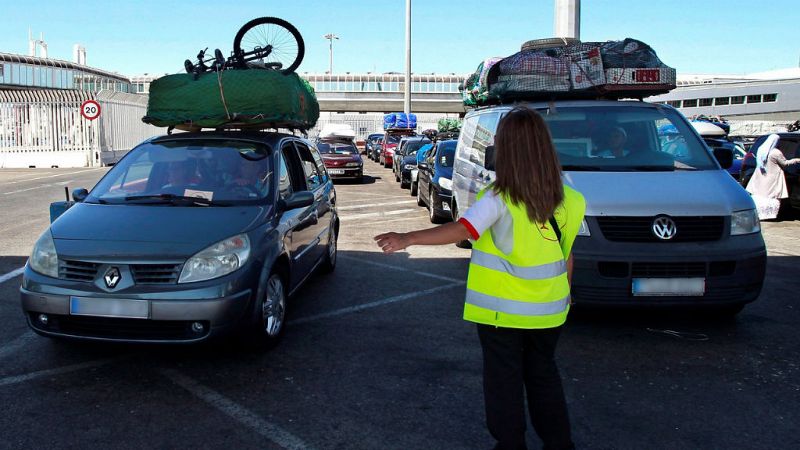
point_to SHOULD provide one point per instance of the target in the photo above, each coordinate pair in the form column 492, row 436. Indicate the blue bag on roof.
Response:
column 399, row 120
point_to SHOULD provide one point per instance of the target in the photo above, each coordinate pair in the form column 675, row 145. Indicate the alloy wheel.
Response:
column 274, row 306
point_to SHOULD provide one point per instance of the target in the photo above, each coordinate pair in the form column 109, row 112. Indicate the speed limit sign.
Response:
column 90, row 109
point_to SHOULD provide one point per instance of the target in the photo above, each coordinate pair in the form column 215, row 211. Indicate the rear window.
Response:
column 217, row 171
column 446, row 153
column 617, row 138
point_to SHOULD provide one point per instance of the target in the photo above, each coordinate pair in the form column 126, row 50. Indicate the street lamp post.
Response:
column 407, row 90
column 330, row 37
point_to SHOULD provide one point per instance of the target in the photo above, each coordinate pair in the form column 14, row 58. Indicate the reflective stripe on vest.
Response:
column 516, row 307
column 539, row 272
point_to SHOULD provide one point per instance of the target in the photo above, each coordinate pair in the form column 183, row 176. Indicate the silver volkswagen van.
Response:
column 665, row 223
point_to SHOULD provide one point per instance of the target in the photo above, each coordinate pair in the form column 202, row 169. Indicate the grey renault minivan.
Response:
column 189, row 236
column 665, row 224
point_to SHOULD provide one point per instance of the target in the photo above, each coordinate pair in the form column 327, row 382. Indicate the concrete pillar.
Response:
column 568, row 19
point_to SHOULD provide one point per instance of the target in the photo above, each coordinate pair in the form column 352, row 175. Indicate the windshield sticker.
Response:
column 208, row 195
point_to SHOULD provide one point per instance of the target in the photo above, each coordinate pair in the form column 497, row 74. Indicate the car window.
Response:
column 284, row 180
column 314, row 177
column 337, row 148
column 478, row 134
column 320, row 164
column 445, row 154
column 228, row 171
column 788, row 147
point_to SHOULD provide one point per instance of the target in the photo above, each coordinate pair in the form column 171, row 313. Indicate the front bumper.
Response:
column 345, row 172
column 443, row 202
column 171, row 312
column 603, row 272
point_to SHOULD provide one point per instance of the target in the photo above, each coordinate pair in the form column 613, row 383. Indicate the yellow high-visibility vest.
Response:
column 528, row 287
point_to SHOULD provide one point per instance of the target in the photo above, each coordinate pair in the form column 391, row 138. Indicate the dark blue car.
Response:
column 189, row 236
column 435, row 181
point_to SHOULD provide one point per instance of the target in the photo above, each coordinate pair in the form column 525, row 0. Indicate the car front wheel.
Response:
column 268, row 328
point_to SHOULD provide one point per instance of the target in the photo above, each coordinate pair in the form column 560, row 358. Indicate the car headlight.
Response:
column 410, row 166
column 446, row 183
column 584, row 229
column 353, row 164
column 44, row 259
column 745, row 222
column 217, row 260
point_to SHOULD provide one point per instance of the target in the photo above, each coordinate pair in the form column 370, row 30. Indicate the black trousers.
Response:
column 517, row 363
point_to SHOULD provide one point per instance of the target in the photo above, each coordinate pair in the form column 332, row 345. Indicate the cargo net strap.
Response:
column 222, row 94
column 585, row 68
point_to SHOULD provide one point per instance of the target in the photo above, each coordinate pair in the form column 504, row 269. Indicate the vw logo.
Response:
column 112, row 277
column 664, row 228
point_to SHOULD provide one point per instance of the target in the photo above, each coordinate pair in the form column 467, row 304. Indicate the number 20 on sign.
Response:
column 90, row 109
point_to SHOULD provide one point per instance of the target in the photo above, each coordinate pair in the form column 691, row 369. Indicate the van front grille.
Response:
column 639, row 229
column 155, row 273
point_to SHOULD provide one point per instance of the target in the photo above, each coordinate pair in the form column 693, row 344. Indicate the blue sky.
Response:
column 134, row 37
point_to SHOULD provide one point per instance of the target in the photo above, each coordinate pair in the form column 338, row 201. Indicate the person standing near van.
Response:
column 768, row 183
column 518, row 287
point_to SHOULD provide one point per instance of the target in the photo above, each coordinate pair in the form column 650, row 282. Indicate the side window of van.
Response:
column 467, row 135
column 483, row 137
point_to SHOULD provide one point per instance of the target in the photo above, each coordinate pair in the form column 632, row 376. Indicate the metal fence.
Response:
column 45, row 128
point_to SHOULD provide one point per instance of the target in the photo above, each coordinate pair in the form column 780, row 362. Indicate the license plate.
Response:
column 647, row 75
column 109, row 307
column 336, row 171
column 669, row 287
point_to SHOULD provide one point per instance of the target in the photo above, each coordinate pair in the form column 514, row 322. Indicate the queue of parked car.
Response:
column 421, row 163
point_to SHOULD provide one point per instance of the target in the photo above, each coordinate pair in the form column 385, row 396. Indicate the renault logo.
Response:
column 112, row 277
column 664, row 228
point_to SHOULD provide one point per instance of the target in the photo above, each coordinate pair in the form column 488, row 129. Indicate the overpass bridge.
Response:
column 364, row 93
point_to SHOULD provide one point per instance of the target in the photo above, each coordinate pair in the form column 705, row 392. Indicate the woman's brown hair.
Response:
column 527, row 167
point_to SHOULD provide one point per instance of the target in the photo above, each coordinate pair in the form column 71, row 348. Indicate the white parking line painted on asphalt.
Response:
column 380, row 214
column 370, row 205
column 236, row 411
column 386, row 301
column 51, row 176
column 41, row 186
column 373, row 194
column 389, row 266
column 17, row 344
column 57, row 371
column 13, row 274
column 404, row 219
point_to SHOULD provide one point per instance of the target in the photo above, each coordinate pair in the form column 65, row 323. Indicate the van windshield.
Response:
column 625, row 139
column 189, row 173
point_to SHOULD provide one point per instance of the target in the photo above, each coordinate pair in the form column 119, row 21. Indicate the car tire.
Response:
column 454, row 212
column 413, row 188
column 432, row 215
column 420, row 202
column 331, row 251
column 397, row 177
column 269, row 325
column 404, row 184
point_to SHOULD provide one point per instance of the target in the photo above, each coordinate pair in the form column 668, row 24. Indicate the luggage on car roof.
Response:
column 446, row 125
column 248, row 99
column 399, row 120
column 627, row 68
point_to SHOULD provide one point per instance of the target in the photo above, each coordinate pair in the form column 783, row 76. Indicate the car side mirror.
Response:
column 80, row 194
column 297, row 200
column 724, row 157
column 488, row 160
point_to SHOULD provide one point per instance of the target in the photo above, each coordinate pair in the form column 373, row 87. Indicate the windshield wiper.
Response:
column 175, row 199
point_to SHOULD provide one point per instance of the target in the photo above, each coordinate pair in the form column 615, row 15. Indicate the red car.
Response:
column 342, row 159
column 391, row 139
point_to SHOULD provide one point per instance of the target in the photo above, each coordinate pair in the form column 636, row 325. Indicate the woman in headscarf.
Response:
column 768, row 184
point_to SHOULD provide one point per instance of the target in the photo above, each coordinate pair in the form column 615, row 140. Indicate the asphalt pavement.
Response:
column 376, row 356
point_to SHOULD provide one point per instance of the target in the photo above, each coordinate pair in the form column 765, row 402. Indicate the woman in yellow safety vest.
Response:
column 523, row 227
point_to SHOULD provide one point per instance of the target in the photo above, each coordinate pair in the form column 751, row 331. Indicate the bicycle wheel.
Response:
column 286, row 44
column 189, row 66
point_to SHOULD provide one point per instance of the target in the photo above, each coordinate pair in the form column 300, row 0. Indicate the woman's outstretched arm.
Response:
column 449, row 233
